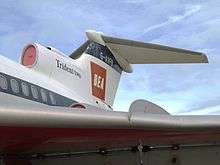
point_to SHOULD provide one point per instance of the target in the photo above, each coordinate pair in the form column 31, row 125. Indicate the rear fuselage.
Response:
column 49, row 77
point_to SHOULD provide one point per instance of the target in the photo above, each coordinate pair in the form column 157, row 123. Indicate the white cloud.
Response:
column 135, row 1
column 204, row 111
column 173, row 19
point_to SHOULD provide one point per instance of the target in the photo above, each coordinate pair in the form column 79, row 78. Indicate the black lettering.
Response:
column 64, row 67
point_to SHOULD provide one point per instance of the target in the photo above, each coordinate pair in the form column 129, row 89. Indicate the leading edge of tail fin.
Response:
column 129, row 52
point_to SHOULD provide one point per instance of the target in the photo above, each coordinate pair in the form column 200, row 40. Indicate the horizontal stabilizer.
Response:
column 129, row 52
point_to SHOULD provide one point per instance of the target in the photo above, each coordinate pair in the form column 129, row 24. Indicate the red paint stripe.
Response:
column 16, row 161
column 16, row 139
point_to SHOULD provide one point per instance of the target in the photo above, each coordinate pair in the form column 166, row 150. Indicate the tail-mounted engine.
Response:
column 52, row 63
column 39, row 58
column 49, row 61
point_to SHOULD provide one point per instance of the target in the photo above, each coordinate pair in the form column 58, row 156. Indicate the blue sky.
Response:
column 195, row 24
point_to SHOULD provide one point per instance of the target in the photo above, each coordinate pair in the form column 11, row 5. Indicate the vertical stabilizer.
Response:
column 104, row 72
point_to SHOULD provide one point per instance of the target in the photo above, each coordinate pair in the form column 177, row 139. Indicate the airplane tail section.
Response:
column 107, row 57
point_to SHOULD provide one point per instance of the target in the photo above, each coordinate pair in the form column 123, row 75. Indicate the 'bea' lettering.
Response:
column 98, row 81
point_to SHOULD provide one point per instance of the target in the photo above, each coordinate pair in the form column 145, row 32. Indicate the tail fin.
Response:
column 103, row 69
column 107, row 57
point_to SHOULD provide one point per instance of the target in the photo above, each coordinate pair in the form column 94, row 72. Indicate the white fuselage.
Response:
column 48, row 74
column 74, row 86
